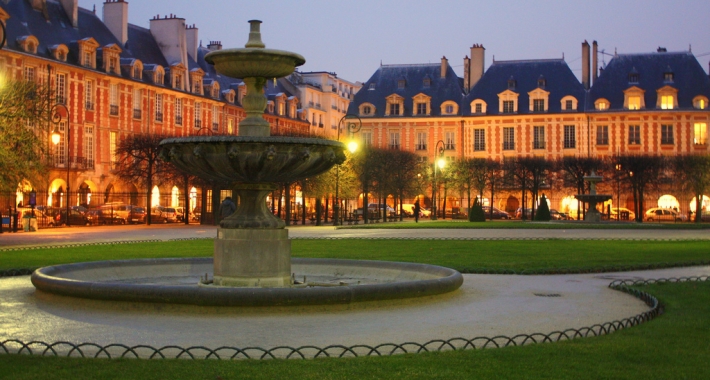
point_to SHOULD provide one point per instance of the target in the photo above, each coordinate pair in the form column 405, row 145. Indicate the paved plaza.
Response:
column 486, row 305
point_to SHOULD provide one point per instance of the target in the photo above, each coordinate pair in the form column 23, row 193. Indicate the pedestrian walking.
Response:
column 227, row 208
column 417, row 210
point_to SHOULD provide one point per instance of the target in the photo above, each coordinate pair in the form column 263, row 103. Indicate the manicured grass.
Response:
column 465, row 256
column 673, row 346
column 518, row 224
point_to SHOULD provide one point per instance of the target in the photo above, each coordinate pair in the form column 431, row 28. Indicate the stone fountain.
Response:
column 592, row 214
column 252, row 264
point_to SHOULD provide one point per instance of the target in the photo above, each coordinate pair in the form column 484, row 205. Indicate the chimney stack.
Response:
column 466, row 73
column 192, row 40
column 444, row 66
column 478, row 55
column 585, row 65
column 171, row 35
column 71, row 8
column 215, row 45
column 595, row 62
column 116, row 19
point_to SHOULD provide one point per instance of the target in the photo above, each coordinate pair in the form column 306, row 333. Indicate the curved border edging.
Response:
column 93, row 350
column 48, row 279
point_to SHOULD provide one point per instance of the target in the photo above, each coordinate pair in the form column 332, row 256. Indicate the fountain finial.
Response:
column 255, row 35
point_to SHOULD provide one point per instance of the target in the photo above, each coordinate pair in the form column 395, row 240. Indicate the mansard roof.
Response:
column 385, row 81
column 689, row 78
column 559, row 82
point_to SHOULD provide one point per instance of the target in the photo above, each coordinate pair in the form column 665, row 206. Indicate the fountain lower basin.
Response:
column 181, row 281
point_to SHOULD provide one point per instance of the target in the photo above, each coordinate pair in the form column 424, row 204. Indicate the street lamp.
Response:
column 618, row 192
column 440, row 162
column 57, row 119
column 353, row 125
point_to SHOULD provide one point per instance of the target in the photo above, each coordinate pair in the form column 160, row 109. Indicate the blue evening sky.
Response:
column 352, row 37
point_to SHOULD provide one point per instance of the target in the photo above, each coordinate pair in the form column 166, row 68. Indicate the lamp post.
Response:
column 618, row 192
column 353, row 125
column 438, row 152
column 57, row 119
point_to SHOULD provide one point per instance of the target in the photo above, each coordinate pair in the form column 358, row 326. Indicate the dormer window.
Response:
column 700, row 102
column 508, row 102
column 634, row 102
column 541, row 82
column 28, row 44
column 367, row 109
column 427, row 82
column 634, row 98
column 395, row 105
column 568, row 103
column 372, row 86
column 633, row 76
column 667, row 98
column 59, row 52
column 449, row 108
column 137, row 70
column 111, row 54
column 538, row 100
column 478, row 106
column 668, row 75
column 511, row 84
column 422, row 105
column 87, row 52
column 88, row 59
column 61, row 56
column 178, row 82
column 401, row 83
column 159, row 76
column 601, row 104
column 31, row 48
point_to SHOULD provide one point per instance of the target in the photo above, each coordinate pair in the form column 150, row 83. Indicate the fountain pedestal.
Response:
column 252, row 258
column 592, row 215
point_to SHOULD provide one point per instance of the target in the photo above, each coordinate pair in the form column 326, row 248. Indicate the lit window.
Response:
column 667, row 134
column 601, row 104
column 394, row 140
column 421, row 141
column 634, row 102
column 634, row 134
column 89, row 95
column 700, row 103
column 667, row 102
column 178, row 111
column 700, row 133
column 450, row 141
column 366, row 138
column 539, row 137
column 158, row 107
column 61, row 85
column 29, row 74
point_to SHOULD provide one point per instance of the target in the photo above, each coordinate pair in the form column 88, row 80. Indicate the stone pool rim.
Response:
column 49, row 279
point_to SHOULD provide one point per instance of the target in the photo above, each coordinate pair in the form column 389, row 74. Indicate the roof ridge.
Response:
column 411, row 64
column 530, row 60
column 656, row 53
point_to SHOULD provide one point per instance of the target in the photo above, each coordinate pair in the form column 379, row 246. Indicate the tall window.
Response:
column 667, row 102
column 178, row 81
column 421, row 141
column 178, row 111
column 700, row 133
column 538, row 105
column 215, row 118
column 479, row 140
column 394, row 108
column 508, row 138
column 60, row 151
column 366, row 138
column 667, row 134
column 508, row 106
column 634, row 134
column 113, row 140
column 137, row 102
column 89, row 95
column 89, row 145
column 230, row 126
column 29, row 74
column 198, row 115
column 61, row 86
column 539, row 138
column 113, row 99
column 158, row 107
column 450, row 140
column 570, row 138
column 88, row 59
column 421, row 108
column 394, row 140
column 603, row 135
column 634, row 102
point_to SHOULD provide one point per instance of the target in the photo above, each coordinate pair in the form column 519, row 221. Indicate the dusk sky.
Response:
column 351, row 38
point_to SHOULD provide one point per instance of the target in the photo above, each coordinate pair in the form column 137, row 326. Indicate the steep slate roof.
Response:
column 689, row 78
column 144, row 47
column 25, row 21
column 386, row 78
column 560, row 82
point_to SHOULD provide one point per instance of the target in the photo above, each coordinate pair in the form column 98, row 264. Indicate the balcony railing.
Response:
column 538, row 144
column 89, row 106
column 137, row 114
column 479, row 147
column 158, row 116
column 178, row 120
column 320, row 125
column 198, row 124
column 420, row 147
column 75, row 163
column 215, row 126
column 450, row 146
column 394, row 146
column 508, row 145
column 318, row 105
column 113, row 111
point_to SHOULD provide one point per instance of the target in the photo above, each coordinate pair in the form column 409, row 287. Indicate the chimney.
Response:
column 466, row 74
column 478, row 55
column 585, row 65
column 71, row 8
column 192, row 40
column 215, row 45
column 595, row 62
column 444, row 66
column 38, row 5
column 116, row 19
column 171, row 35
column 661, row 50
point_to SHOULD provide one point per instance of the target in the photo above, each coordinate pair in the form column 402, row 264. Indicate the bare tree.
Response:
column 574, row 170
column 640, row 171
column 139, row 162
column 403, row 171
column 692, row 174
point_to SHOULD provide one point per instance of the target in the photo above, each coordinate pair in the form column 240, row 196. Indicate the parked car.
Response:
column 161, row 214
column 43, row 220
column 104, row 217
column 556, row 215
column 705, row 216
column 497, row 214
column 621, row 211
column 664, row 215
column 519, row 213
column 374, row 207
column 76, row 218
column 137, row 215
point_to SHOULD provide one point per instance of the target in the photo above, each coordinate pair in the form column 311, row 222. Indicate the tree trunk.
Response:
column 186, row 195
column 319, row 206
column 287, row 191
column 149, row 190
column 698, row 208
column 325, row 218
column 303, row 202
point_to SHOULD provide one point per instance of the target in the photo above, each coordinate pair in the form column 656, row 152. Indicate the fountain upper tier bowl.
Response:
column 250, row 159
column 254, row 62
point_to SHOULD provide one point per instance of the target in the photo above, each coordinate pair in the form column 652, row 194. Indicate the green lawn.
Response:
column 673, row 346
column 465, row 256
column 518, row 224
